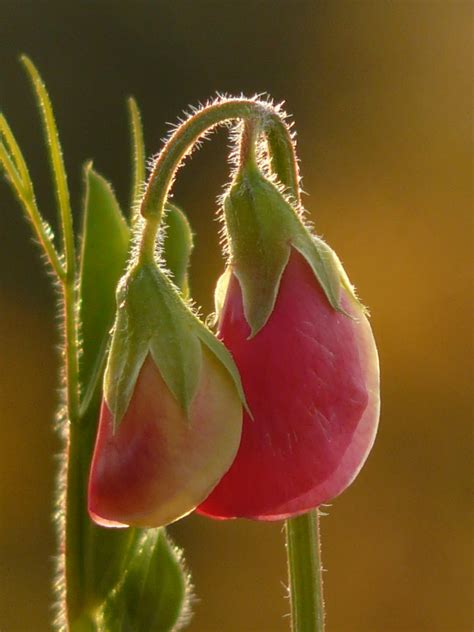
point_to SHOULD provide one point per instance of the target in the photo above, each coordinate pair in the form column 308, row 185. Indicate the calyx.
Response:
column 152, row 319
column 261, row 228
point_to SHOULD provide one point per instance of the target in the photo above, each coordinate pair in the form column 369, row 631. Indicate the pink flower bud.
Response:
column 160, row 463
column 311, row 380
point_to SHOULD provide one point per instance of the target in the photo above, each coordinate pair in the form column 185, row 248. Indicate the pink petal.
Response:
column 159, row 465
column 311, row 379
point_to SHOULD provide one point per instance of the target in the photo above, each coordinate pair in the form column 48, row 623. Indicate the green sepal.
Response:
column 325, row 265
column 151, row 319
column 225, row 358
column 262, row 227
column 259, row 228
column 177, row 246
column 105, row 241
column 153, row 594
column 220, row 293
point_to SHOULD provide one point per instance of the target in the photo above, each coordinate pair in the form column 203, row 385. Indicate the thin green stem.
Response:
column 71, row 350
column 148, row 240
column 74, row 493
column 183, row 140
column 248, row 142
column 305, row 572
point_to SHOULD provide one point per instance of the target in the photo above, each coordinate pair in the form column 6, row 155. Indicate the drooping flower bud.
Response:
column 306, row 356
column 171, row 416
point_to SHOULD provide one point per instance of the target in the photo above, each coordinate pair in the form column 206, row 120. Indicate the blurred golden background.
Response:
column 381, row 97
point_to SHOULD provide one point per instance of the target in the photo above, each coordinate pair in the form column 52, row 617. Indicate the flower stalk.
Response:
column 303, row 547
column 182, row 141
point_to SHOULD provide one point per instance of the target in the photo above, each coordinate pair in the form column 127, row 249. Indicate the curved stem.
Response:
column 248, row 141
column 182, row 142
column 305, row 573
column 148, row 240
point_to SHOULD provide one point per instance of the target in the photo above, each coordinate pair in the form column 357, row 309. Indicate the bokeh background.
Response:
column 381, row 97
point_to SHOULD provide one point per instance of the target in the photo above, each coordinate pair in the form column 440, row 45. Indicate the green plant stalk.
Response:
column 74, row 464
column 76, row 460
column 184, row 138
column 73, row 531
column 305, row 572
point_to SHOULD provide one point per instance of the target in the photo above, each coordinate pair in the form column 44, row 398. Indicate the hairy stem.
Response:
column 305, row 572
column 72, row 537
column 183, row 140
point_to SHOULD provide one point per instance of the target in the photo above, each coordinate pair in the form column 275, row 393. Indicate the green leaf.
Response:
column 106, row 552
column 105, row 241
column 153, row 595
column 56, row 161
column 16, row 170
column 177, row 246
column 138, row 156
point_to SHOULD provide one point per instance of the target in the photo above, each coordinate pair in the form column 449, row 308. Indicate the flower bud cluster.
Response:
column 269, row 419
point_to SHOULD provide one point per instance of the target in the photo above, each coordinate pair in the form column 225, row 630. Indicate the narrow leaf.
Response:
column 105, row 241
column 56, row 159
column 178, row 246
column 138, row 155
column 16, row 154
column 25, row 195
